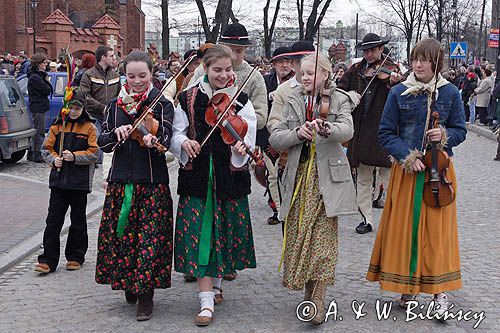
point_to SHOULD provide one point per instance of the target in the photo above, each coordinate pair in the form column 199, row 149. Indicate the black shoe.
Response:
column 363, row 228
column 273, row 220
column 145, row 308
column 189, row 278
column 496, row 159
column 131, row 298
column 378, row 203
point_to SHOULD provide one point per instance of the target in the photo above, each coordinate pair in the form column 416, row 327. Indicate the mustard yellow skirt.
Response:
column 438, row 264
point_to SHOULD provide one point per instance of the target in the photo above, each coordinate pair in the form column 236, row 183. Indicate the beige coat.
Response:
column 483, row 92
column 335, row 180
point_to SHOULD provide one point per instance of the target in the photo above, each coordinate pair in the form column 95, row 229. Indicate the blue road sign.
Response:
column 458, row 50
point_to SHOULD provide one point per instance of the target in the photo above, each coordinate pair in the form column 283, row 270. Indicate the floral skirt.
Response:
column 311, row 246
column 232, row 239
column 438, row 263
column 141, row 259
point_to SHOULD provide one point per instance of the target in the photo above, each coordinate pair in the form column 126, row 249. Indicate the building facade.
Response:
column 80, row 26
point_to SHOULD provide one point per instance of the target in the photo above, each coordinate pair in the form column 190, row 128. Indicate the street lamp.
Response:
column 34, row 4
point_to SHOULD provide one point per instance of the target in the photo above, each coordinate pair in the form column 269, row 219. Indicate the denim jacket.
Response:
column 402, row 125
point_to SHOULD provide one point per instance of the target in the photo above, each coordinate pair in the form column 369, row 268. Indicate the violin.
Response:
column 144, row 126
column 438, row 190
column 221, row 113
column 381, row 70
column 234, row 123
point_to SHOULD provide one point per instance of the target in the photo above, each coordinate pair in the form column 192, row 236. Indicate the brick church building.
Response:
column 81, row 25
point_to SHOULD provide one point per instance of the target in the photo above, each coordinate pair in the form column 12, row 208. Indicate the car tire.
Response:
column 15, row 157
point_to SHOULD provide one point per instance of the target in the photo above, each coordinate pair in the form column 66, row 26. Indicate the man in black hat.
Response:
column 281, row 72
column 365, row 153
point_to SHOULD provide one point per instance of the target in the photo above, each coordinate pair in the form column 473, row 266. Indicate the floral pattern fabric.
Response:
column 142, row 259
column 232, row 240
column 311, row 247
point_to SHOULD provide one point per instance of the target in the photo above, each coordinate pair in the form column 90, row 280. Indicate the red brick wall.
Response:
column 16, row 15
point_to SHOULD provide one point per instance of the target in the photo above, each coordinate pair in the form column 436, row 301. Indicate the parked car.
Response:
column 16, row 124
column 58, row 80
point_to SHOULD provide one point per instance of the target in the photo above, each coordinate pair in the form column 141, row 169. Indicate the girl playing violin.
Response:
column 213, row 231
column 317, row 181
column 416, row 249
column 135, row 235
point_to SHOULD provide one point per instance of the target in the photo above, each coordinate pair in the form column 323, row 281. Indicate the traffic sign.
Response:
column 458, row 50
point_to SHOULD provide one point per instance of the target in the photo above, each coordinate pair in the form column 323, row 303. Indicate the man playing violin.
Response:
column 371, row 79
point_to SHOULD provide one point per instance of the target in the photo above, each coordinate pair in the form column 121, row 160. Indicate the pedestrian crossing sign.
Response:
column 458, row 50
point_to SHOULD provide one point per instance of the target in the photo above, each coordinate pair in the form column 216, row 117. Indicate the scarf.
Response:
column 415, row 87
column 129, row 101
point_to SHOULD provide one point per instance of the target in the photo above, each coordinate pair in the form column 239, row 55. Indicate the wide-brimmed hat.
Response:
column 280, row 53
column 300, row 49
column 235, row 34
column 371, row 40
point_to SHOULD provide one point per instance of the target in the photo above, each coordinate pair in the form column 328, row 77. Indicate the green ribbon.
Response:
column 204, row 252
column 417, row 207
column 125, row 211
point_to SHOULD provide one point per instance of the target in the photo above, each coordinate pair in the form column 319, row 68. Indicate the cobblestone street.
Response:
column 256, row 301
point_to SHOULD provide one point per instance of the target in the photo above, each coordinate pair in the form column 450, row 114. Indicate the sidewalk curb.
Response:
column 33, row 243
column 482, row 131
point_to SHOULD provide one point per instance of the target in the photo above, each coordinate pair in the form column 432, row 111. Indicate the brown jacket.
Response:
column 364, row 146
column 101, row 87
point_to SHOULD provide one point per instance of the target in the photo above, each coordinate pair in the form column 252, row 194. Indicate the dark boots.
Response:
column 145, row 308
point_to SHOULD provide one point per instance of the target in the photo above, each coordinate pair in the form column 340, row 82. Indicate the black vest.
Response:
column 193, row 179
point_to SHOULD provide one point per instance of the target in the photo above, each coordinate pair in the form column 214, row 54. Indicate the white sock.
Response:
column 206, row 302
column 217, row 283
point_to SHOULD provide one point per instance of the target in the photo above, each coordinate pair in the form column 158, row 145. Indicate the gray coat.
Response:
column 335, row 180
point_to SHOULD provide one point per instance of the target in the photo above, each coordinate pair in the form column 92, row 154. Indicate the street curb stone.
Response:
column 33, row 243
column 482, row 131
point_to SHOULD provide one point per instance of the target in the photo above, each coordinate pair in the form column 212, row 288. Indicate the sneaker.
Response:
column 364, row 228
column 441, row 306
column 405, row 298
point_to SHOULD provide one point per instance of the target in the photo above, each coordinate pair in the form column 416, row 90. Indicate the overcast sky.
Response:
column 250, row 13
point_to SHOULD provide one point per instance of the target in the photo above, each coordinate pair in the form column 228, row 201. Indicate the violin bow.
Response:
column 221, row 117
column 429, row 107
column 310, row 106
column 155, row 101
column 377, row 71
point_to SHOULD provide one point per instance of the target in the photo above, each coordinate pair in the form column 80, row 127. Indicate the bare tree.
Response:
column 222, row 15
column 403, row 15
column 314, row 20
column 269, row 31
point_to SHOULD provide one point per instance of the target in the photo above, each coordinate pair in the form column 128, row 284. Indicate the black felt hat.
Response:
column 300, row 49
column 235, row 34
column 280, row 53
column 370, row 41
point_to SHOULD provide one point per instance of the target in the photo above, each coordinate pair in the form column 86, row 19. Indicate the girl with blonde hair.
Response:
column 317, row 181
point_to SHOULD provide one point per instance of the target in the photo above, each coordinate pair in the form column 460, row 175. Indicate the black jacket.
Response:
column 39, row 90
column 193, row 179
column 131, row 162
column 80, row 139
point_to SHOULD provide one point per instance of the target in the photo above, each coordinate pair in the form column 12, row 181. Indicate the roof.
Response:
column 106, row 22
column 57, row 17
